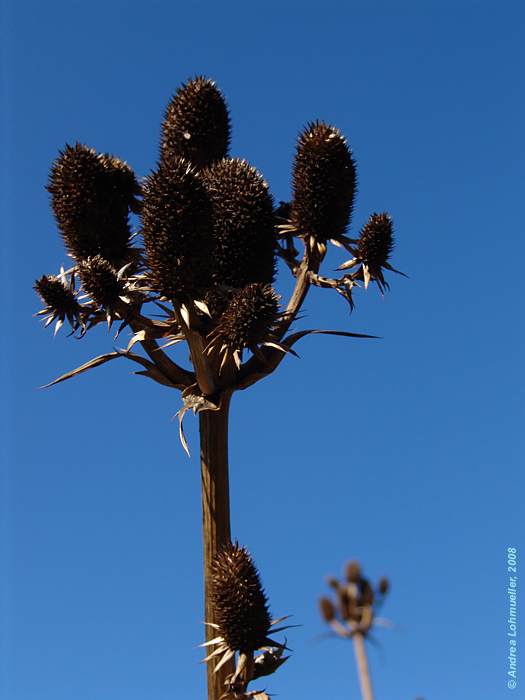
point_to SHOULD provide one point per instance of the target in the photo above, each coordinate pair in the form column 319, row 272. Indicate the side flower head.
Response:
column 373, row 250
column 176, row 226
column 196, row 124
column 91, row 196
column 247, row 322
column 243, row 224
column 60, row 301
column 324, row 184
column 242, row 617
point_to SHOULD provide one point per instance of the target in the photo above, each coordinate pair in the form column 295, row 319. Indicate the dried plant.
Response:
column 243, row 624
column 353, row 614
column 204, row 258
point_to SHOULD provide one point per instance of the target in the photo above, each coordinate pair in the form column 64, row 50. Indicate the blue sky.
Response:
column 404, row 452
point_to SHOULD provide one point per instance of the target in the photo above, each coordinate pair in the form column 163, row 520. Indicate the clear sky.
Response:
column 404, row 452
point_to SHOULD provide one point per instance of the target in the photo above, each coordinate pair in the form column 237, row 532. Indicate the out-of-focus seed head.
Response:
column 240, row 604
column 353, row 572
column 91, row 196
column 324, row 183
column 376, row 241
column 196, row 124
column 243, row 224
column 327, row 609
column 346, row 603
column 366, row 592
column 99, row 279
column 176, row 226
column 383, row 586
column 56, row 295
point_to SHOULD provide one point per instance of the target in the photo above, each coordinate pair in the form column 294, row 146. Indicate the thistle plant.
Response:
column 243, row 624
column 353, row 614
column 199, row 268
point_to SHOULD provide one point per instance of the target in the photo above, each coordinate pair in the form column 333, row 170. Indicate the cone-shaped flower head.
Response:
column 243, row 224
column 353, row 571
column 250, row 317
column 176, row 226
column 327, row 609
column 376, row 242
column 91, row 196
column 196, row 124
column 60, row 301
column 100, row 280
column 324, row 183
column 241, row 607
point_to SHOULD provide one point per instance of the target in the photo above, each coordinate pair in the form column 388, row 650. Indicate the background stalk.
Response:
column 362, row 666
column 213, row 426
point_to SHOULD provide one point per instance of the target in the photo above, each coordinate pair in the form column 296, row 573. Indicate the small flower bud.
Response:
column 196, row 124
column 55, row 295
column 324, row 183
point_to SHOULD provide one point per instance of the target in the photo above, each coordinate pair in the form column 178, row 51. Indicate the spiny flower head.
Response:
column 243, row 223
column 196, row 124
column 101, row 281
column 247, row 321
column 176, row 226
column 324, row 183
column 241, row 606
column 60, row 301
column 376, row 241
column 91, row 196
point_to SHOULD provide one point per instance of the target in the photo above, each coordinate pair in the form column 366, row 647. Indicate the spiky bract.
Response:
column 249, row 318
column 241, row 606
column 324, row 183
column 196, row 124
column 99, row 279
column 91, row 196
column 243, row 223
column 176, row 226
column 376, row 242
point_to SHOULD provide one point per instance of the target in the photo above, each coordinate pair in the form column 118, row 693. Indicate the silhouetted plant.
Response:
column 205, row 256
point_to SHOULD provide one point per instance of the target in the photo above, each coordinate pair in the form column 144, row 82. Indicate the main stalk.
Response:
column 213, row 426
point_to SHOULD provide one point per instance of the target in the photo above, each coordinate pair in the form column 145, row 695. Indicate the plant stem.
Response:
column 362, row 666
column 213, row 427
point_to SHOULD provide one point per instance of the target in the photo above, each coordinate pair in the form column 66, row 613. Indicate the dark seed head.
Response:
column 384, row 585
column 324, row 182
column 177, row 230
column 353, row 571
column 327, row 609
column 196, row 124
column 376, row 241
column 99, row 280
column 366, row 592
column 241, row 606
column 346, row 603
column 91, row 195
column 243, row 224
column 55, row 295
column 249, row 318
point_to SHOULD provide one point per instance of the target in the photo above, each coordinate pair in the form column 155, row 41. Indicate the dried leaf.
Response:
column 95, row 362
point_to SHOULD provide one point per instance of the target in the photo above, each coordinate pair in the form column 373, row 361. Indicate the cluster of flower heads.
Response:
column 243, row 623
column 211, row 234
column 356, row 602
